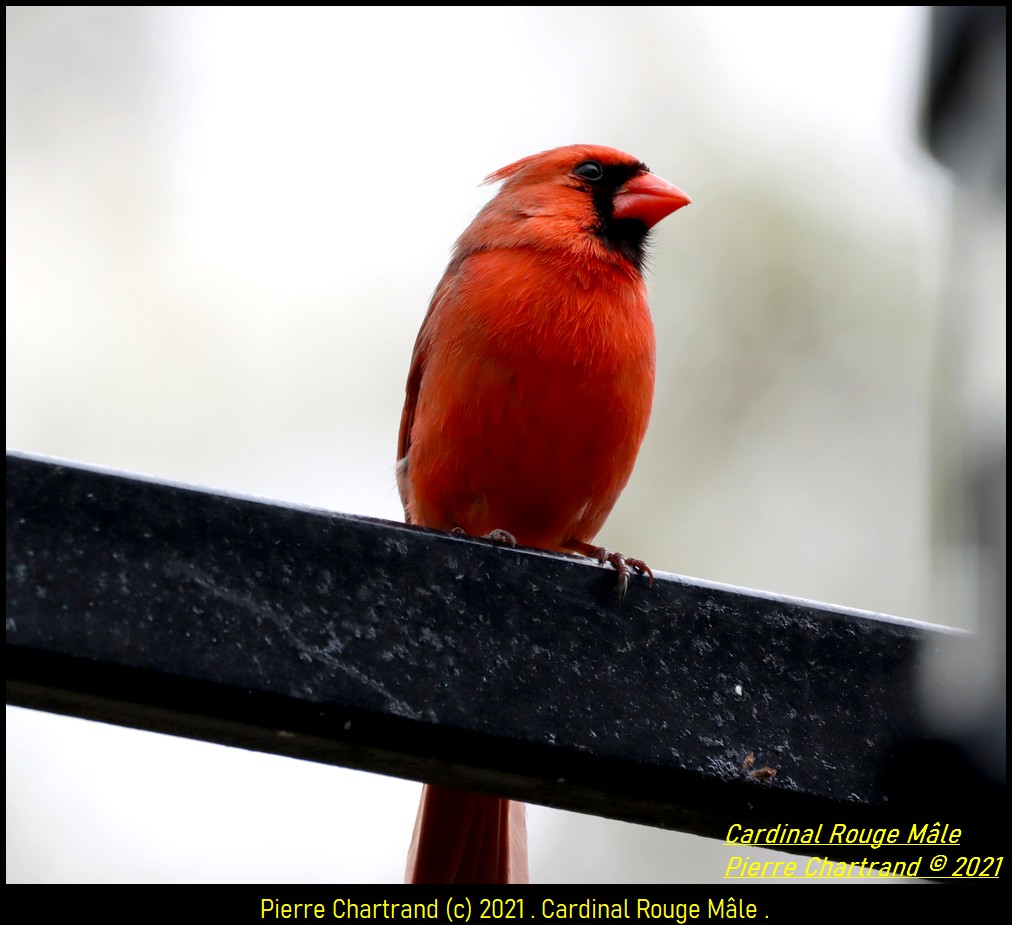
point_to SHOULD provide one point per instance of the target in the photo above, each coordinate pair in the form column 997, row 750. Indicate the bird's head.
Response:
column 581, row 197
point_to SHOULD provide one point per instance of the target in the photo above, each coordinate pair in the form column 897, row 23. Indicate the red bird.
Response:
column 528, row 397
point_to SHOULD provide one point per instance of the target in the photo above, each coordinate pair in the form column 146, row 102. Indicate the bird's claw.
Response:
column 496, row 536
column 625, row 566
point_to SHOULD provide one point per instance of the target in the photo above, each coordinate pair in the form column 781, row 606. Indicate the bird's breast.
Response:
column 534, row 401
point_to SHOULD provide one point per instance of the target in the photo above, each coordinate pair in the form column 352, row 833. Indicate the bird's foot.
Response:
column 496, row 536
column 624, row 565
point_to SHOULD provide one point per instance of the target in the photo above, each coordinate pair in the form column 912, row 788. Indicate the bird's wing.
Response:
column 419, row 355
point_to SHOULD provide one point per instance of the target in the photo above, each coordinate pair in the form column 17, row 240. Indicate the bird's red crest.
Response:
column 555, row 157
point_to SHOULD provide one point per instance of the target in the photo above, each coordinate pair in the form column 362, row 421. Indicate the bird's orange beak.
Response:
column 648, row 198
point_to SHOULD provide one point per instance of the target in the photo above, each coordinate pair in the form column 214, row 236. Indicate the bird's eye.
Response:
column 589, row 170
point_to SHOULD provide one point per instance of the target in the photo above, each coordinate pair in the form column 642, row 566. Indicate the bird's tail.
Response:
column 464, row 837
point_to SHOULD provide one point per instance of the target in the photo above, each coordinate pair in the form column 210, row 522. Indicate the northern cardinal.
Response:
column 528, row 397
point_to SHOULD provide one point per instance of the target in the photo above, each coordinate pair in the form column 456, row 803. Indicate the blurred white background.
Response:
column 223, row 227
